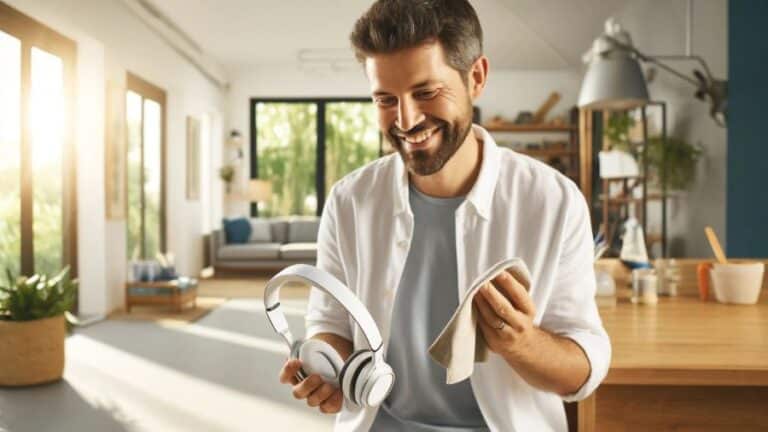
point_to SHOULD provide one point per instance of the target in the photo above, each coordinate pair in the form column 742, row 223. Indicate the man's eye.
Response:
column 385, row 101
column 426, row 94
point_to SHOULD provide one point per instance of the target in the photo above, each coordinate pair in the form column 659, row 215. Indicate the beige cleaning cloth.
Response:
column 460, row 343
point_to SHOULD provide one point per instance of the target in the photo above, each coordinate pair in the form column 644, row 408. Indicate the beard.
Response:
column 427, row 162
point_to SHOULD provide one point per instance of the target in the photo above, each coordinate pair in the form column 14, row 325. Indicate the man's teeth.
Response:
column 423, row 136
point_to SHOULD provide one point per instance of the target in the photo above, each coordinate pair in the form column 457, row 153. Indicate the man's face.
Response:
column 425, row 109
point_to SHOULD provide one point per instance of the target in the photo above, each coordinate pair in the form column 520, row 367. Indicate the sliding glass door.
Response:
column 304, row 146
column 37, row 176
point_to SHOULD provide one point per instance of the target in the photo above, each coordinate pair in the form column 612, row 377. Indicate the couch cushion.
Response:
column 279, row 228
column 237, row 231
column 303, row 230
column 250, row 251
column 298, row 251
column 260, row 231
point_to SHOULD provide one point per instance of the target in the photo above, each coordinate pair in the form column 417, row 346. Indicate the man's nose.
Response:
column 408, row 115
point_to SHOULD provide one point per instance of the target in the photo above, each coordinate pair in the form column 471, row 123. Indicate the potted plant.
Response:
column 33, row 327
column 678, row 157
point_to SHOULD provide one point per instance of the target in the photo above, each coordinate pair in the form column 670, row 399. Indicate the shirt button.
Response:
column 403, row 243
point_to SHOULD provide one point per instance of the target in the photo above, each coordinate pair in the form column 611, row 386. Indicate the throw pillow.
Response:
column 260, row 232
column 237, row 230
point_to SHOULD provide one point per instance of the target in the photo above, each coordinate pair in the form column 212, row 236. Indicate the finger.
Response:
column 487, row 314
column 332, row 405
column 320, row 395
column 306, row 387
column 515, row 291
column 503, row 308
column 490, row 335
column 289, row 370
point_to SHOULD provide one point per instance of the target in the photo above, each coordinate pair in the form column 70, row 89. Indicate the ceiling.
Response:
column 519, row 34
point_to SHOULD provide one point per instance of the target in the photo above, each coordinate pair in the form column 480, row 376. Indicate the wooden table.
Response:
column 682, row 365
column 176, row 297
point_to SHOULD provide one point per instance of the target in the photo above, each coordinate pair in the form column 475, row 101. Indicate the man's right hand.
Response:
column 317, row 393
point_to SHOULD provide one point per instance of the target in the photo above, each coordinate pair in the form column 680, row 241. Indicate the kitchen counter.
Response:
column 682, row 364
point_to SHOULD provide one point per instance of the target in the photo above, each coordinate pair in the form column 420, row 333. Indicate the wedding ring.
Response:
column 501, row 325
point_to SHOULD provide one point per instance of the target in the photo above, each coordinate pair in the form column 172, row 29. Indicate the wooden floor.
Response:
column 246, row 287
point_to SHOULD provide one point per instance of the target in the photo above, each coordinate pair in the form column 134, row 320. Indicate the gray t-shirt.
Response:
column 426, row 299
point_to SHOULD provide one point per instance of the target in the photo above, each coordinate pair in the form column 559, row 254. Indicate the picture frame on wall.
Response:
column 115, row 173
column 193, row 158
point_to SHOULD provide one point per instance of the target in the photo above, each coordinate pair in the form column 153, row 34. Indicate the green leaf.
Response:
column 39, row 296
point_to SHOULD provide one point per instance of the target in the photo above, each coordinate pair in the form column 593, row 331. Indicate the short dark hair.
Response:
column 391, row 25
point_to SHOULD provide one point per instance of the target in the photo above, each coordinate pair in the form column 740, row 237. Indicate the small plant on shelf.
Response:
column 678, row 157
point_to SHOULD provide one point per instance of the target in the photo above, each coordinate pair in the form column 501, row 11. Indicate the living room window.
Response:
column 37, row 169
column 145, row 120
column 303, row 146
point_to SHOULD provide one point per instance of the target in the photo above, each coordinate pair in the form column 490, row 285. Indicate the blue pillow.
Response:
column 237, row 230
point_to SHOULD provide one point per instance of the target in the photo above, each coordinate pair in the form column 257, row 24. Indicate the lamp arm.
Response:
column 687, row 57
column 654, row 60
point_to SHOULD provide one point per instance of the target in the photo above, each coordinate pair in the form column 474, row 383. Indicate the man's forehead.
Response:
column 405, row 69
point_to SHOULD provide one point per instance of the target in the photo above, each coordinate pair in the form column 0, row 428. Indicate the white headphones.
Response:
column 365, row 378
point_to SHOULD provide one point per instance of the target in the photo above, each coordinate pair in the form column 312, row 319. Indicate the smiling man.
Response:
column 409, row 232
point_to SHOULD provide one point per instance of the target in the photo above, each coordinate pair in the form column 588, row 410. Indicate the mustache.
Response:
column 396, row 132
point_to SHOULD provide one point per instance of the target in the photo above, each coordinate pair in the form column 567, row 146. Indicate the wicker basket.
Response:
column 32, row 352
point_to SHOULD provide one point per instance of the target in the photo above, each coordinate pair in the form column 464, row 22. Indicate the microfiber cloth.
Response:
column 460, row 344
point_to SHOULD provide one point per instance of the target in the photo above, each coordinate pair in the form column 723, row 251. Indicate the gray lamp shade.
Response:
column 613, row 81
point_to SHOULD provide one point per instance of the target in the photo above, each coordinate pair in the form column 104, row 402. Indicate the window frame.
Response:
column 150, row 91
column 320, row 136
column 32, row 33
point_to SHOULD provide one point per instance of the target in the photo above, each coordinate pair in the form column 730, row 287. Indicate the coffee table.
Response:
column 176, row 293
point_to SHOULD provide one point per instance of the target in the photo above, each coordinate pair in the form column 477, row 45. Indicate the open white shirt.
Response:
column 518, row 207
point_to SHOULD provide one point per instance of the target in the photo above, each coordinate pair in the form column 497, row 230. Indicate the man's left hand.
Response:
column 506, row 316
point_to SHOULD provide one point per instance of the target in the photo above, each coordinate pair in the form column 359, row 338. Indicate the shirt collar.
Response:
column 481, row 194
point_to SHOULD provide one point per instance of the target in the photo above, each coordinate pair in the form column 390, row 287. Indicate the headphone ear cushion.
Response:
column 378, row 383
column 318, row 357
column 351, row 374
column 362, row 379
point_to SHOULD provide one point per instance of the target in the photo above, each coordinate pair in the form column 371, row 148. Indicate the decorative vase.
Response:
column 32, row 352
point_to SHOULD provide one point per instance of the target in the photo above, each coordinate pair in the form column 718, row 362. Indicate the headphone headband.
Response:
column 326, row 282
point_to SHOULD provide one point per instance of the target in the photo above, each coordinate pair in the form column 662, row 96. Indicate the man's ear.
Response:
column 478, row 76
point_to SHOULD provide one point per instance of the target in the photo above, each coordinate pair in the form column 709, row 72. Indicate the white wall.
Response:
column 111, row 41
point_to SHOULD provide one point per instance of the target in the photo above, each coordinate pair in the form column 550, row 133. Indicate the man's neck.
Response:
column 457, row 176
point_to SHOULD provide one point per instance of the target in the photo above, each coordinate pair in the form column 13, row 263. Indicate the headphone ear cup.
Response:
column 362, row 380
column 350, row 374
column 318, row 357
column 378, row 383
column 294, row 354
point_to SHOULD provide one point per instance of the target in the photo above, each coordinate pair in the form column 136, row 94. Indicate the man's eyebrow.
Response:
column 426, row 83
column 422, row 84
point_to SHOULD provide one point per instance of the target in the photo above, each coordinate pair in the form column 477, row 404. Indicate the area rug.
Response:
column 252, row 287
column 168, row 316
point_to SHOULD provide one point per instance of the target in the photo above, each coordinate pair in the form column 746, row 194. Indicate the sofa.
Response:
column 273, row 243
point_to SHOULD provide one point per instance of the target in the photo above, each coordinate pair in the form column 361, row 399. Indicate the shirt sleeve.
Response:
column 572, row 310
column 324, row 313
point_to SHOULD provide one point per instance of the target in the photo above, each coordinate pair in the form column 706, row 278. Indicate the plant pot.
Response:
column 32, row 352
